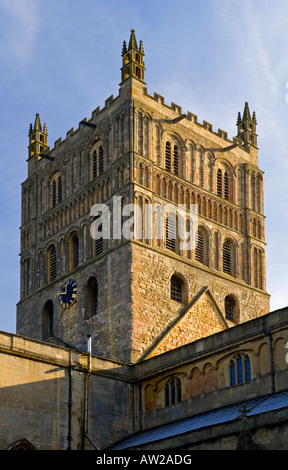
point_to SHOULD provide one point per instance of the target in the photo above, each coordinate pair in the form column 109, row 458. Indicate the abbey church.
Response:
column 143, row 341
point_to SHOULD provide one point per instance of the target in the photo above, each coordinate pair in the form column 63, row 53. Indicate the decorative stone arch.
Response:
column 280, row 353
column 149, row 397
column 21, row 444
column 196, row 382
column 209, row 378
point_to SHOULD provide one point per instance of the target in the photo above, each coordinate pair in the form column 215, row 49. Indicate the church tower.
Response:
column 90, row 265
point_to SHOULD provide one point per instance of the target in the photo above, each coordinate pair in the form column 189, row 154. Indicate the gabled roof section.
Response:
column 174, row 335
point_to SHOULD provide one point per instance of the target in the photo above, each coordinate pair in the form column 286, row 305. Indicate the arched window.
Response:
column 240, row 369
column 97, row 161
column 172, row 155
column 230, row 308
column 173, row 391
column 176, row 289
column 228, row 258
column 92, row 296
column 97, row 242
column 223, row 184
column 74, row 251
column 56, row 189
column 47, row 325
column 201, row 254
column 171, row 231
column 168, row 156
column 51, row 263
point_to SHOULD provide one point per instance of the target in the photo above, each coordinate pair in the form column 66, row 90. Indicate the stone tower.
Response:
column 140, row 295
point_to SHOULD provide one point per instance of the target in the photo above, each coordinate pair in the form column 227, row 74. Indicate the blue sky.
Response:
column 62, row 59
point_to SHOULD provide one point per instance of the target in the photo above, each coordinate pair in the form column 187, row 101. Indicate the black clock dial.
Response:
column 68, row 294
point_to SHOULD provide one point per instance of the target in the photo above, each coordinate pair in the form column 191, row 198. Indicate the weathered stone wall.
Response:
column 154, row 310
column 41, row 385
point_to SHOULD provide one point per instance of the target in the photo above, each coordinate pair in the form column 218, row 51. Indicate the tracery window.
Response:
column 173, row 391
column 240, row 369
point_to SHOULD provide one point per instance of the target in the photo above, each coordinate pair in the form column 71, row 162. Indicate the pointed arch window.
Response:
column 201, row 247
column 240, row 369
column 171, row 231
column 173, row 391
column 74, row 250
column 223, row 184
column 56, row 190
column 51, row 263
column 172, row 156
column 97, row 161
column 228, row 267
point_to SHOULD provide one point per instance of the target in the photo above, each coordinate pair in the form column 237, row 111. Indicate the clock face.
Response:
column 68, row 294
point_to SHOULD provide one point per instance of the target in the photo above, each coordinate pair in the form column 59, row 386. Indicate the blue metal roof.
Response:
column 210, row 418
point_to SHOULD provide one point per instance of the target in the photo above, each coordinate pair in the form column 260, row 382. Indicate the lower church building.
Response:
column 144, row 320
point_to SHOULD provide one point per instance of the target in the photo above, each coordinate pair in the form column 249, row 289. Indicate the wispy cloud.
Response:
column 256, row 36
column 18, row 31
